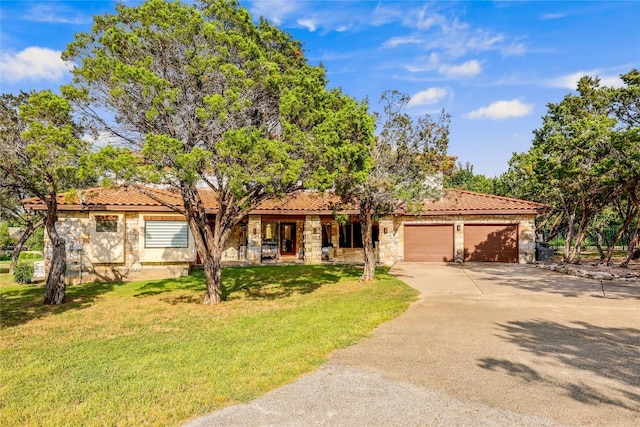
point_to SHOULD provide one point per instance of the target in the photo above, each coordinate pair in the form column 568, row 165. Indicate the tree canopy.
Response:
column 584, row 162
column 41, row 153
column 201, row 96
column 403, row 167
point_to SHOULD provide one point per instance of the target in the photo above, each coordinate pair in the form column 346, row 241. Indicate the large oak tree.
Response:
column 41, row 151
column 201, row 96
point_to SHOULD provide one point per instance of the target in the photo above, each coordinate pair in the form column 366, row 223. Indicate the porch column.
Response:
column 386, row 242
column 254, row 239
column 527, row 241
column 312, row 239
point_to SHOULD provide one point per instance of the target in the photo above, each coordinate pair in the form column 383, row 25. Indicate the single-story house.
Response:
column 119, row 233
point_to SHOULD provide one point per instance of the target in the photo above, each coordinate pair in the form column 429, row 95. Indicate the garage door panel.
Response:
column 491, row 243
column 428, row 243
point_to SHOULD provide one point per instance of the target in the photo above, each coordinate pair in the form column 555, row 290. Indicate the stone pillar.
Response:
column 527, row 241
column 458, row 241
column 312, row 239
column 254, row 239
column 386, row 242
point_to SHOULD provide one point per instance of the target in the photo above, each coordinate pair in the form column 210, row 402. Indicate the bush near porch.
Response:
column 148, row 353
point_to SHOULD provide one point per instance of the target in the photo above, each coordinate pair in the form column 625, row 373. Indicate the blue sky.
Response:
column 492, row 65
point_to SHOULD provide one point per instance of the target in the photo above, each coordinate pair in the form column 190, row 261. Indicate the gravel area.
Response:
column 337, row 395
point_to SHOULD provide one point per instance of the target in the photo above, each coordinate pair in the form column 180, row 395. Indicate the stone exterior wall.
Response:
column 78, row 229
column 236, row 246
column 245, row 244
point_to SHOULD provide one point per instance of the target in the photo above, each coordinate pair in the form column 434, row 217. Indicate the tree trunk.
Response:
column 213, row 274
column 209, row 240
column 567, row 242
column 55, row 286
column 25, row 236
column 621, row 231
column 598, row 239
column 632, row 246
column 576, row 251
column 633, row 243
column 366, row 225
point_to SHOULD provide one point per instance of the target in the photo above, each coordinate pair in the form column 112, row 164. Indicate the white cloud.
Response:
column 501, row 110
column 466, row 69
column 400, row 41
column 570, row 81
column 423, row 20
column 33, row 63
column 55, row 13
column 309, row 24
column 383, row 14
column 274, row 10
column 429, row 96
column 547, row 16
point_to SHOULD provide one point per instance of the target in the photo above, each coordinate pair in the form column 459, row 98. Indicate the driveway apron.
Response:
column 486, row 344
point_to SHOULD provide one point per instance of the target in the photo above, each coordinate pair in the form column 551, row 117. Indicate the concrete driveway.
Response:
column 486, row 344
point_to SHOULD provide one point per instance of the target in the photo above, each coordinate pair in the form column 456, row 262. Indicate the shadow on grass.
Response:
column 258, row 282
column 21, row 304
column 612, row 354
column 24, row 303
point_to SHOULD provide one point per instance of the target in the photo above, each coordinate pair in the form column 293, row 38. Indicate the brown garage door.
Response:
column 491, row 242
column 428, row 243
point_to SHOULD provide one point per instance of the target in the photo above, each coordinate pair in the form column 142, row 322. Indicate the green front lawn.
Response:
column 148, row 353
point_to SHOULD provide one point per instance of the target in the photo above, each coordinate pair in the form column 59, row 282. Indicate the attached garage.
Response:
column 428, row 243
column 491, row 242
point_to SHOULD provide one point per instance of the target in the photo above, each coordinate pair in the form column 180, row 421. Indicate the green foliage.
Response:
column 584, row 161
column 462, row 177
column 203, row 96
column 279, row 322
column 23, row 271
column 30, row 256
column 5, row 240
column 35, row 242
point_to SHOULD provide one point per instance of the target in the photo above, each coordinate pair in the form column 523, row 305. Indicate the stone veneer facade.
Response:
column 126, row 257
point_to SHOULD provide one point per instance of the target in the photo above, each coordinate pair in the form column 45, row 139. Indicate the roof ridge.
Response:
column 493, row 196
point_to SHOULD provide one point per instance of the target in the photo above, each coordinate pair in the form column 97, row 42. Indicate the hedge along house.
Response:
column 121, row 234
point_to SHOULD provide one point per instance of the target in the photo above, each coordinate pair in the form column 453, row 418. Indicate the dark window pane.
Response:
column 357, row 235
column 106, row 223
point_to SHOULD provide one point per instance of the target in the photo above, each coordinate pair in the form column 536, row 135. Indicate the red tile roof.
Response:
column 129, row 199
column 460, row 201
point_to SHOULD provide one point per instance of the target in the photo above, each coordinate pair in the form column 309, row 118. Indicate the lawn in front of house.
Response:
column 149, row 353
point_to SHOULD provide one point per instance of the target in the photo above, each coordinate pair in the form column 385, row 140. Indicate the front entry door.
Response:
column 287, row 239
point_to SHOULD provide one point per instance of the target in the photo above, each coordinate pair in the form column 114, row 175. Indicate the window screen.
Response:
column 166, row 234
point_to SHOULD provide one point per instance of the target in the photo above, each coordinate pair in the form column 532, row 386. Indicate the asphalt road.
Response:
column 486, row 344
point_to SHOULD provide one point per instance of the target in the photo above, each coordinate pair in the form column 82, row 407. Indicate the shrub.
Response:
column 23, row 271
column 30, row 256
